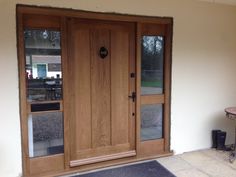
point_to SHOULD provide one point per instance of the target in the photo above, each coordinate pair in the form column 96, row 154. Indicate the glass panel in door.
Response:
column 45, row 131
column 151, row 122
column 43, row 65
column 152, row 54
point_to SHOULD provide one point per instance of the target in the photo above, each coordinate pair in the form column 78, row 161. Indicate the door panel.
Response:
column 101, row 89
column 82, row 98
column 120, row 87
column 102, row 124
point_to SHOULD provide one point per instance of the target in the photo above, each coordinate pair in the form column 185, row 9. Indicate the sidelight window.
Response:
column 43, row 75
column 154, row 83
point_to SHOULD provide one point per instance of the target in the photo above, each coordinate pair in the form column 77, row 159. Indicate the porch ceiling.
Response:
column 228, row 2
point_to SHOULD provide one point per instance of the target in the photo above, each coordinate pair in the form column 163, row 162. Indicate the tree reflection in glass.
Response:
column 152, row 65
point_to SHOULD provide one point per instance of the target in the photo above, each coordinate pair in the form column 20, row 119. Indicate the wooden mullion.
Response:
column 65, row 89
column 153, row 99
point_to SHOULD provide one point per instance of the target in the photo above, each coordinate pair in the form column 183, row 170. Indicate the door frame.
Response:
column 55, row 18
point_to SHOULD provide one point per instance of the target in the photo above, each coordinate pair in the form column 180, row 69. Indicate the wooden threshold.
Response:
column 102, row 158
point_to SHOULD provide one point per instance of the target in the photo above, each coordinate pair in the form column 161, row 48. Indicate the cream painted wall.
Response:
column 203, row 70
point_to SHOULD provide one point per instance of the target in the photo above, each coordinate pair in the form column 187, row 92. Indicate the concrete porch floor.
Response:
column 203, row 163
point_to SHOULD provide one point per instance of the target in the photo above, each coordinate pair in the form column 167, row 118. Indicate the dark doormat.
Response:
column 147, row 169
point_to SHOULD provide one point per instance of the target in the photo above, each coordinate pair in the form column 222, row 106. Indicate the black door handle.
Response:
column 133, row 96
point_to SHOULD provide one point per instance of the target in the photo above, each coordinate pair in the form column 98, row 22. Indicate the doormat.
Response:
column 147, row 169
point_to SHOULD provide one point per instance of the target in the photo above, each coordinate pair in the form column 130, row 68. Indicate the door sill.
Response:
column 75, row 163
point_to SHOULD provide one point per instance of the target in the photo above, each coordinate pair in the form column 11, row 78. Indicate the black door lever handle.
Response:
column 133, row 96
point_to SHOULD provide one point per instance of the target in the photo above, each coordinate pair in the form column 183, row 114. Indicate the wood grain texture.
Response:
column 43, row 165
column 79, row 87
column 167, row 86
column 82, row 88
column 152, row 99
column 153, row 147
column 69, row 93
column 102, row 158
column 110, row 126
column 101, row 89
column 103, row 151
column 66, row 91
column 42, row 21
column 132, row 86
column 120, row 87
column 153, row 29
column 138, row 87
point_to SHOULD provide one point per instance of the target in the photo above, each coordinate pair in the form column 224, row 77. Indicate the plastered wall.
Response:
column 203, row 70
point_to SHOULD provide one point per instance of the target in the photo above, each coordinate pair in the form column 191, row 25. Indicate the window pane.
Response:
column 151, row 122
column 152, row 65
column 45, row 134
column 43, row 65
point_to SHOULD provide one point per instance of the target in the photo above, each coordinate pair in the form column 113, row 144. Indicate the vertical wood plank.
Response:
column 79, row 88
column 132, row 85
column 138, row 88
column 66, row 115
column 120, row 86
column 82, row 88
column 101, row 89
column 69, row 80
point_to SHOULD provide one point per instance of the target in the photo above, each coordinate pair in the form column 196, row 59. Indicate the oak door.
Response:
column 102, row 113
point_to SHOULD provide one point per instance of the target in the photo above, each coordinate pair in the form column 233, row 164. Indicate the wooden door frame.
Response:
column 55, row 18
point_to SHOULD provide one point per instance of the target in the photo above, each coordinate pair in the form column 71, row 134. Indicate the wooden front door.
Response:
column 102, row 116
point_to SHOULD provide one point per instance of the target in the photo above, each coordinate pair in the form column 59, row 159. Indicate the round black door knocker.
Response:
column 103, row 52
